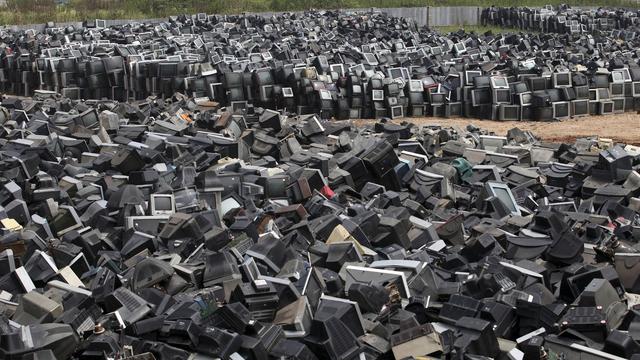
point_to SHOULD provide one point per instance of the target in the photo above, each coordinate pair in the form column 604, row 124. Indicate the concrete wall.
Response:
column 423, row 16
column 439, row 16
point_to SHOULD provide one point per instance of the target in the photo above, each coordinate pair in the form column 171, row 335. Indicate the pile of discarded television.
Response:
column 616, row 23
column 176, row 228
column 172, row 230
column 342, row 65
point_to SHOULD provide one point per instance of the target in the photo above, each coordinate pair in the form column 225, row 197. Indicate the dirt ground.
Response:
column 623, row 128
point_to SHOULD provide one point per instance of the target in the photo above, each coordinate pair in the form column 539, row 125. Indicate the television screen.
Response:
column 238, row 105
column 162, row 203
column 580, row 107
column 618, row 105
column 437, row 98
column 626, row 74
column 167, row 70
column 525, row 98
column 481, row 81
column 428, row 81
column 499, row 82
column 537, row 83
column 480, row 97
column 601, row 81
column 287, row 92
column 416, row 98
column 395, row 73
column 377, row 95
column 606, row 107
column 519, row 87
column 509, row 112
column 616, row 89
column 277, row 187
column 370, row 58
column 561, row 79
column 636, row 89
column 229, row 204
column 339, row 68
column 396, row 111
column 504, row 195
column 582, row 92
column 416, row 85
column 603, row 93
column 232, row 183
column 469, row 75
column 617, row 76
column 501, row 96
column 560, row 109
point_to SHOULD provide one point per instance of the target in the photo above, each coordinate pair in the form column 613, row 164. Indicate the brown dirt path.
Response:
column 623, row 128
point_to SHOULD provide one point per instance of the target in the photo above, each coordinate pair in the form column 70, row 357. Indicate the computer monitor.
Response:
column 560, row 109
column 338, row 68
column 618, row 105
column 167, row 70
column 395, row 73
column 525, row 98
column 582, row 92
column 626, row 74
column 229, row 203
column 460, row 48
column 492, row 143
column 600, row 81
column 499, row 82
column 469, row 75
column 580, row 107
column 66, row 220
column 503, row 193
column 162, row 204
column 617, row 76
column 519, row 87
column 509, row 112
column 635, row 86
column 416, row 98
column 287, row 92
column 480, row 97
column 616, row 89
column 396, row 112
column 428, row 81
column 151, row 225
column 603, row 93
column 606, row 107
column 377, row 95
column 437, row 98
column 415, row 86
column 482, row 81
column 370, row 59
column 561, row 80
column 537, row 83
column 501, row 96
column 231, row 182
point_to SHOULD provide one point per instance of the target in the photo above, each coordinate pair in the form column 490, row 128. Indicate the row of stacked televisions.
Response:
column 334, row 91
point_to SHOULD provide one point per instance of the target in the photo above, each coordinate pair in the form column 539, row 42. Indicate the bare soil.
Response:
column 624, row 128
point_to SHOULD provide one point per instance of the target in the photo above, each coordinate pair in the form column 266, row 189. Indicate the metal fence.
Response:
column 423, row 16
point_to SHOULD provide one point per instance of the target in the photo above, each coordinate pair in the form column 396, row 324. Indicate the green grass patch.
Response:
column 41, row 11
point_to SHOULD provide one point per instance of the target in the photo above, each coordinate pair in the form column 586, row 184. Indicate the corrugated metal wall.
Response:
column 429, row 16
